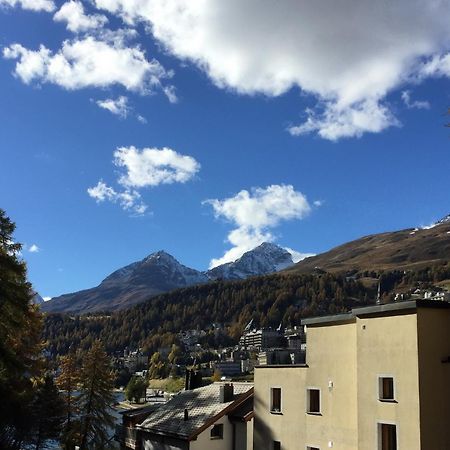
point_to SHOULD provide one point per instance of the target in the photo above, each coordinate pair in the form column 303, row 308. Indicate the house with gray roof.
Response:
column 214, row 417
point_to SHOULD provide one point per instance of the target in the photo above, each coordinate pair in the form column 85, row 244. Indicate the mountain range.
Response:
column 409, row 249
column 161, row 272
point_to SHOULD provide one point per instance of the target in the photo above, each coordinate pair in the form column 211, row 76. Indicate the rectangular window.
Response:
column 276, row 445
column 313, row 401
column 387, row 436
column 275, row 400
column 386, row 388
column 312, row 448
column 217, row 431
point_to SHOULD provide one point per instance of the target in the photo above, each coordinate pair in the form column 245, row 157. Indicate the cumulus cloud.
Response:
column 34, row 248
column 72, row 12
column 129, row 200
column 118, row 106
column 32, row 5
column 153, row 166
column 254, row 214
column 349, row 57
column 414, row 104
column 88, row 62
column 148, row 167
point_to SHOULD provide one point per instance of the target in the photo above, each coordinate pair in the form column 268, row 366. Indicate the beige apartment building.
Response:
column 377, row 378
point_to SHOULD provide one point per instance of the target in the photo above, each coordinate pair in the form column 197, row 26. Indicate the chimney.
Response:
column 226, row 393
column 186, row 415
column 193, row 379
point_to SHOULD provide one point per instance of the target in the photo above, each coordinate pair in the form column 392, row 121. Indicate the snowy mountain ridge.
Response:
column 160, row 272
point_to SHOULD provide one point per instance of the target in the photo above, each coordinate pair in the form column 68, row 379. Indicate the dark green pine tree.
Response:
column 96, row 398
column 48, row 413
column 20, row 341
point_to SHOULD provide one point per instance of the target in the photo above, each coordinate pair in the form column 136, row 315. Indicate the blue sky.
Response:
column 324, row 129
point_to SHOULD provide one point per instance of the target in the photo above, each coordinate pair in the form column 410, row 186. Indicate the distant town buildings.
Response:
column 376, row 378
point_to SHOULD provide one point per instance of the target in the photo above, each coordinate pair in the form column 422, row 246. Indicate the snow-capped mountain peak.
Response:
column 264, row 259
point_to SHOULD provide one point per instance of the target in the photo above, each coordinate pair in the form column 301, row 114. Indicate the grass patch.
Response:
column 167, row 384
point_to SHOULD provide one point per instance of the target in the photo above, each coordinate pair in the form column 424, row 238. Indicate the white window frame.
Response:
column 313, row 388
column 380, row 388
column 378, row 432
column 272, row 411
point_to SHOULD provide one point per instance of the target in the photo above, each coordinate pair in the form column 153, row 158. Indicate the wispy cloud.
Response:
column 118, row 106
column 32, row 5
column 414, row 104
column 129, row 200
column 34, row 248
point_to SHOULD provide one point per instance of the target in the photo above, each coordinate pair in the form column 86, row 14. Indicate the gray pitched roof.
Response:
column 203, row 406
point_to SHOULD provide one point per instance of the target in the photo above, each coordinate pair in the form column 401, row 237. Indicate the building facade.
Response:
column 376, row 378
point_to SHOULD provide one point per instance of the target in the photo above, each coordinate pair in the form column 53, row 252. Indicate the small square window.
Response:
column 313, row 401
column 276, row 445
column 386, row 388
column 217, row 431
column 387, row 436
column 275, row 400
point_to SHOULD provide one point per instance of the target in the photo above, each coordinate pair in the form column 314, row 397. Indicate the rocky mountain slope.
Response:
column 406, row 249
column 161, row 272
column 264, row 259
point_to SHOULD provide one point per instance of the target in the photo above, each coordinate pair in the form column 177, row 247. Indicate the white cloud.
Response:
column 32, row 5
column 318, row 203
column 350, row 57
column 140, row 169
column 72, row 12
column 34, row 249
column 414, row 104
column 153, row 166
column 254, row 214
column 88, row 62
column 437, row 66
column 129, row 200
column 118, row 106
column 46, row 299
column 141, row 119
column 353, row 121
column 297, row 256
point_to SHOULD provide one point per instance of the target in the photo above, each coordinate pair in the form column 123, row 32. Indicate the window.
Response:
column 217, row 431
column 313, row 401
column 312, row 448
column 386, row 388
column 387, row 436
column 276, row 445
column 275, row 400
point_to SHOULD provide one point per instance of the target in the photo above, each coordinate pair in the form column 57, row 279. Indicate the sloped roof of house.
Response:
column 203, row 406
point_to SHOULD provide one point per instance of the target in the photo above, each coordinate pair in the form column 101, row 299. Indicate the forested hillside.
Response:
column 268, row 300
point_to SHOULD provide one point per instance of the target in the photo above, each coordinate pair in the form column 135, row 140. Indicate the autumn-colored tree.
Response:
column 96, row 398
column 67, row 382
